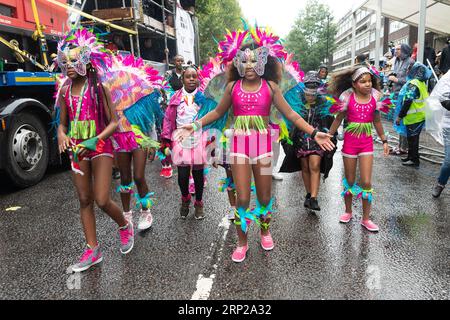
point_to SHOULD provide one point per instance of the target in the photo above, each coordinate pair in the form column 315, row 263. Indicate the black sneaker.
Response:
column 437, row 190
column 116, row 174
column 307, row 203
column 405, row 159
column 314, row 205
column 410, row 163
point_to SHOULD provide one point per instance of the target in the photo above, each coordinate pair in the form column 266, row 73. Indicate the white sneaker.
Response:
column 145, row 220
column 277, row 176
column 128, row 216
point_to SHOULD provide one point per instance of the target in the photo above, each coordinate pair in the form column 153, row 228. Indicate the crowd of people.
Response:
column 235, row 112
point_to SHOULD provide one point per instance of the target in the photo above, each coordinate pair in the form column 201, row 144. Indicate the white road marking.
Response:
column 204, row 284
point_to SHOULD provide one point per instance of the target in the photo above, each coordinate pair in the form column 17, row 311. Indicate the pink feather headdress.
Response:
column 92, row 50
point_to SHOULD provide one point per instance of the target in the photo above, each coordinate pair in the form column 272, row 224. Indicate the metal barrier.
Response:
column 434, row 152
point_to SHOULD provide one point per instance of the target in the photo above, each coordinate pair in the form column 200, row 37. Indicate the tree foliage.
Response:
column 214, row 18
column 308, row 37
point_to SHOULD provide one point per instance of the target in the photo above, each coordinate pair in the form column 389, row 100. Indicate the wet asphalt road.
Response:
column 315, row 257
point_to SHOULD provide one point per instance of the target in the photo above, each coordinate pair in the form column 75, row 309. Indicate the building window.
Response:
column 402, row 40
column 395, row 26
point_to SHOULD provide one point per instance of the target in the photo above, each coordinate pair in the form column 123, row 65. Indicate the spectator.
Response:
column 361, row 59
column 403, row 63
column 323, row 72
column 389, row 62
column 149, row 52
column 174, row 76
column 412, row 100
column 430, row 55
column 116, row 44
column 392, row 48
column 445, row 58
column 441, row 95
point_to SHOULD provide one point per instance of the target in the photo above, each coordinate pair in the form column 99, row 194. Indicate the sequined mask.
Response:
column 76, row 58
column 254, row 59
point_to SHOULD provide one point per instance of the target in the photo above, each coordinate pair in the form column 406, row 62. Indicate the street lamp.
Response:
column 328, row 36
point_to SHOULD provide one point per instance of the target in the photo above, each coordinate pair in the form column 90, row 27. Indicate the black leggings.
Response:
column 183, row 181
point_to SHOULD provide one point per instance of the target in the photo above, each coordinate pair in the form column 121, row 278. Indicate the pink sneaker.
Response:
column 346, row 217
column 369, row 225
column 163, row 172
column 169, row 173
column 267, row 242
column 89, row 258
column 239, row 254
column 126, row 238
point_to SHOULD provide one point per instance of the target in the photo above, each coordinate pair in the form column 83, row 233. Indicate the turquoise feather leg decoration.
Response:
column 161, row 156
column 146, row 202
column 242, row 215
column 126, row 188
column 354, row 190
column 263, row 211
column 367, row 195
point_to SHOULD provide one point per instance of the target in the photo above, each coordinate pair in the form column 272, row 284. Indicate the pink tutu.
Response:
column 192, row 151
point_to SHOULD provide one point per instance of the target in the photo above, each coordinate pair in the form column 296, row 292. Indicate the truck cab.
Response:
column 27, row 138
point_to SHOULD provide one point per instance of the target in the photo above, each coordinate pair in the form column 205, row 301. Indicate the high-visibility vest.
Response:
column 416, row 113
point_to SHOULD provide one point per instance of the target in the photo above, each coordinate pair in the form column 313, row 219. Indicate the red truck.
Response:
column 27, row 144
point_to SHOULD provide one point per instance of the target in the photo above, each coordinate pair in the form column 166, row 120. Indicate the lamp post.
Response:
column 328, row 36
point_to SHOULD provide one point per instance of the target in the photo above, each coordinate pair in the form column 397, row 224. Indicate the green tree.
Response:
column 214, row 18
column 313, row 31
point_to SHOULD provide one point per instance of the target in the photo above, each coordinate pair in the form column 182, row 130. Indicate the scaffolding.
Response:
column 152, row 20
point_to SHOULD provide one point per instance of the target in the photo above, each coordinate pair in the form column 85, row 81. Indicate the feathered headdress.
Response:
column 230, row 46
column 88, row 50
column 261, row 37
column 265, row 38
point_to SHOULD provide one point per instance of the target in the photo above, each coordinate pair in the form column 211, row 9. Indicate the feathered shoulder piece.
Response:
column 208, row 72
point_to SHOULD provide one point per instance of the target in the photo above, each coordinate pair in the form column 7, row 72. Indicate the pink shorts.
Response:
column 254, row 146
column 355, row 147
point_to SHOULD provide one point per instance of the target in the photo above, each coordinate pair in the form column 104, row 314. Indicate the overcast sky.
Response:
column 280, row 15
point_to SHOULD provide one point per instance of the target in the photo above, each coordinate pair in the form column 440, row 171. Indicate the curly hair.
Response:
column 272, row 71
column 342, row 81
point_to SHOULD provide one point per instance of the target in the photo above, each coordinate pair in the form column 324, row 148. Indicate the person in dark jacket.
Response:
column 174, row 76
column 403, row 63
column 412, row 100
column 445, row 59
column 310, row 158
column 430, row 55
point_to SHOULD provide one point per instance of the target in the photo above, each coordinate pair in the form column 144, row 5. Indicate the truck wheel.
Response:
column 28, row 150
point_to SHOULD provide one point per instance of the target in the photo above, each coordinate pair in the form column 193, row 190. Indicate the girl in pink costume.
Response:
column 360, row 103
column 87, row 120
column 182, row 109
column 131, row 147
column 251, row 90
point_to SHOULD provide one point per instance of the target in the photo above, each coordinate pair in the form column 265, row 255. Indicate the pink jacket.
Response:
column 170, row 118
